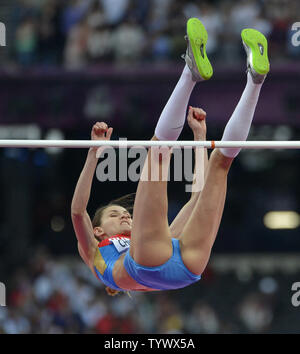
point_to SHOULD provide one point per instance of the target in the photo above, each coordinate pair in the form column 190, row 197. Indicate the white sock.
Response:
column 238, row 126
column 172, row 118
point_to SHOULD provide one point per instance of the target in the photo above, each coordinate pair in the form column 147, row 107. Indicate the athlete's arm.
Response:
column 196, row 121
column 81, row 221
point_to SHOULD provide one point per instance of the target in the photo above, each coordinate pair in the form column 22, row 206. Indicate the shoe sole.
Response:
column 259, row 48
column 197, row 36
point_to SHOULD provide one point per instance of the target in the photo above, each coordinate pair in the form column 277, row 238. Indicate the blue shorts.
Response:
column 171, row 275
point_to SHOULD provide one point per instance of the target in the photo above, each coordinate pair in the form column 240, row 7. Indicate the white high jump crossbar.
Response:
column 263, row 144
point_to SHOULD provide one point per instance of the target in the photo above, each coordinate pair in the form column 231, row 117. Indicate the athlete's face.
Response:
column 116, row 220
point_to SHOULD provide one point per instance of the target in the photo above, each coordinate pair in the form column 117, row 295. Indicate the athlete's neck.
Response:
column 123, row 235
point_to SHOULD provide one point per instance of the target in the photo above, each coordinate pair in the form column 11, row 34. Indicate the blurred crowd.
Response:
column 77, row 33
column 61, row 296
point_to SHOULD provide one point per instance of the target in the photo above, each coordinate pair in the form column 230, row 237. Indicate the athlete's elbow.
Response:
column 77, row 212
column 78, row 205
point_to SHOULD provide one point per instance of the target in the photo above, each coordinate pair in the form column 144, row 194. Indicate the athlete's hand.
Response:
column 100, row 131
column 196, row 120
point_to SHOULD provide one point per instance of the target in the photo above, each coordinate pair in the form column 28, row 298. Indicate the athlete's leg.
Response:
column 150, row 237
column 200, row 231
column 150, row 228
column 172, row 118
column 196, row 120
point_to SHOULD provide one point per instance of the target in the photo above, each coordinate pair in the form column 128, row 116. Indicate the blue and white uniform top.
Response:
column 108, row 252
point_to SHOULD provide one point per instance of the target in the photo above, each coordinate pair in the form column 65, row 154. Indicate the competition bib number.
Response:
column 121, row 243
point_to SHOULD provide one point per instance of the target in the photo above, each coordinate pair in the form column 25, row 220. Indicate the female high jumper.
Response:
column 142, row 252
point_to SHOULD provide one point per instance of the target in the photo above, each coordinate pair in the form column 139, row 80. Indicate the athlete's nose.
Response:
column 125, row 216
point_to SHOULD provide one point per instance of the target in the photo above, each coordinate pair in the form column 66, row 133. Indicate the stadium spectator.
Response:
column 59, row 296
column 46, row 32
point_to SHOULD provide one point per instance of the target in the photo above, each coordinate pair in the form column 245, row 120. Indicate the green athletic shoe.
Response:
column 256, row 46
column 195, row 57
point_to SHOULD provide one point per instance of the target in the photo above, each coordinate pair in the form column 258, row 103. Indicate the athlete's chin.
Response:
column 126, row 230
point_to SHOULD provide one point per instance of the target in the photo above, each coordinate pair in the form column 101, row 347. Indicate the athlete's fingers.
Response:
column 100, row 128
column 100, row 133
column 109, row 133
column 196, row 113
column 101, row 125
column 191, row 112
column 199, row 113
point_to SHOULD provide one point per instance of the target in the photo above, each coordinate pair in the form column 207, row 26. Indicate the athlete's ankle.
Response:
column 187, row 74
column 251, row 82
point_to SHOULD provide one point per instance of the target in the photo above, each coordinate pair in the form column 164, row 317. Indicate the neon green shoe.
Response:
column 195, row 57
column 256, row 46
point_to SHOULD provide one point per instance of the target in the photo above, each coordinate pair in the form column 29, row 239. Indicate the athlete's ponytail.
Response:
column 111, row 292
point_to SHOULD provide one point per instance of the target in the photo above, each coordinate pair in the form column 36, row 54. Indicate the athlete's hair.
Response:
column 126, row 202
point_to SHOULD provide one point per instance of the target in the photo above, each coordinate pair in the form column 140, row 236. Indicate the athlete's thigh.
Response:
column 150, row 236
column 196, row 250
column 200, row 231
